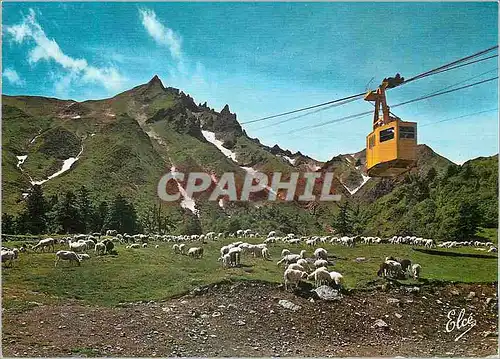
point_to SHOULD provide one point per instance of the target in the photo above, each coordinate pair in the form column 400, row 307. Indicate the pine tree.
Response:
column 343, row 221
column 34, row 217
column 123, row 216
column 67, row 215
column 85, row 210
column 100, row 217
column 8, row 223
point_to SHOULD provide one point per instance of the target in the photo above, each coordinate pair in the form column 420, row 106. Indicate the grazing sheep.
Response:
column 100, row 248
column 337, row 278
column 8, row 255
column 226, row 260
column 144, row 245
column 195, row 252
column 45, row 243
column 321, row 253
column 415, row 270
column 90, row 244
column 293, row 276
column 111, row 232
column 133, row 246
column 405, row 264
column 284, row 252
column 289, row 258
column 230, row 259
column 235, row 254
column 271, row 234
column 176, row 249
column 265, row 254
column 320, row 275
column 296, row 267
column 68, row 256
column 157, row 246
column 77, row 246
column 320, row 263
column 83, row 256
column 182, row 248
column 390, row 268
column 304, row 263
column 492, row 249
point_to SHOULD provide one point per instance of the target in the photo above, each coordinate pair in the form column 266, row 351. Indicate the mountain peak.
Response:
column 155, row 81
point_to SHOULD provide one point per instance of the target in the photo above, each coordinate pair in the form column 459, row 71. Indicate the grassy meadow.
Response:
column 157, row 273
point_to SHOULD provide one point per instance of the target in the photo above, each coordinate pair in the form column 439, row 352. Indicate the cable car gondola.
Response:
column 391, row 146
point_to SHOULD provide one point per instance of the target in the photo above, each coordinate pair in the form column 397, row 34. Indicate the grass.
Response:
column 156, row 274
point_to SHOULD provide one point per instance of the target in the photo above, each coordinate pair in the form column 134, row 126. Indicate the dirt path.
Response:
column 246, row 319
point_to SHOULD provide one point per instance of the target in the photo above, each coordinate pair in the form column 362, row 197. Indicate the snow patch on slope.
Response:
column 186, row 202
column 210, row 137
column 365, row 179
column 291, row 160
column 20, row 160
column 65, row 167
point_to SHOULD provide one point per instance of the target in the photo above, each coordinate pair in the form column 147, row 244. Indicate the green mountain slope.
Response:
column 124, row 144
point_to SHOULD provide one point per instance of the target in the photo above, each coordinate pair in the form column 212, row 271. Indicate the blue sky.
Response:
column 266, row 58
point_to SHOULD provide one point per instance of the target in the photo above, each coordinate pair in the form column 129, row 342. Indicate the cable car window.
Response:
column 387, row 134
column 371, row 142
column 406, row 132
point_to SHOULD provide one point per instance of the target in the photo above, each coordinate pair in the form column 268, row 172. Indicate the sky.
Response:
column 267, row 58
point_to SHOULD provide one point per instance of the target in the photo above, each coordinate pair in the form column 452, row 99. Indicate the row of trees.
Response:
column 76, row 213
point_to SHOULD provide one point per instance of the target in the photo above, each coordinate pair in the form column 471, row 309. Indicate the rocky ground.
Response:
column 248, row 319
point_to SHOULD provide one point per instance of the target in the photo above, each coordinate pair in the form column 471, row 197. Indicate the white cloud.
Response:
column 161, row 34
column 13, row 77
column 77, row 70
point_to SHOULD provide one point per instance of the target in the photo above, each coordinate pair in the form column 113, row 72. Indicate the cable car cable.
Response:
column 458, row 117
column 305, row 114
column 400, row 104
column 422, row 75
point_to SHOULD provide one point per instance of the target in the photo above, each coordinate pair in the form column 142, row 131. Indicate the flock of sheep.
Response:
column 297, row 266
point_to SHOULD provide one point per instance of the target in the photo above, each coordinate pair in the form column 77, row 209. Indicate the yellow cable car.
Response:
column 391, row 146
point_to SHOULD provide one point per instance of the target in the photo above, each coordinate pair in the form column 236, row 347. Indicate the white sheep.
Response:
column 195, row 252
column 415, row 270
column 390, row 268
column 265, row 254
column 43, row 243
column 100, row 248
column 337, row 278
column 321, row 253
column 77, row 247
column 90, row 244
column 133, row 246
column 182, row 247
column 8, row 255
column 284, row 252
column 304, row 263
column 226, row 260
column 296, row 267
column 83, row 256
column 293, row 276
column 144, row 245
column 235, row 254
column 68, row 256
column 289, row 258
column 230, row 259
column 320, row 263
column 320, row 276
column 157, row 246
